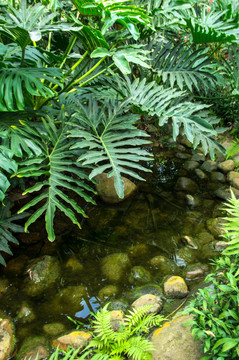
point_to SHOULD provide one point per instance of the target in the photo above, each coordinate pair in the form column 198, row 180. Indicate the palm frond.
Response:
column 109, row 139
column 57, row 165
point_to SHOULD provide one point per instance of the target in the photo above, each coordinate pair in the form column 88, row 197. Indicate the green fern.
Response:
column 109, row 140
column 56, row 165
column 231, row 226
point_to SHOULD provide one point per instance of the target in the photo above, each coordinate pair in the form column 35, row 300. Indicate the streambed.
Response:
column 150, row 230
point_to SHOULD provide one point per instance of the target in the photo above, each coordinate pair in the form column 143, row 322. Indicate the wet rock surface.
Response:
column 175, row 288
column 76, row 339
column 6, row 339
column 155, row 301
column 175, row 341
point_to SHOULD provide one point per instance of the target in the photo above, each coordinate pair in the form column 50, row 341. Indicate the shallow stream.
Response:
column 149, row 224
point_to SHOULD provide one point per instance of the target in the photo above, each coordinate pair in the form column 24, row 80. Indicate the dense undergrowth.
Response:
column 81, row 79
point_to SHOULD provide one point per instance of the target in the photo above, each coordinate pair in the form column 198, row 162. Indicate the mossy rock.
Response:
column 114, row 266
column 139, row 275
column 144, row 290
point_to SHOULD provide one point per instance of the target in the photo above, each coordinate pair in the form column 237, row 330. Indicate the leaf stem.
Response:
column 23, row 55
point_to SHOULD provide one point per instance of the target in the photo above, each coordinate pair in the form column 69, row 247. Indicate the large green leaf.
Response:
column 60, row 175
column 15, row 82
column 186, row 67
column 7, row 226
column 109, row 139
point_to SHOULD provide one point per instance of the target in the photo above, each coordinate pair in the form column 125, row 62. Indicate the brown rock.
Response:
column 116, row 319
column 175, row 288
column 231, row 175
column 6, row 339
column 235, row 182
column 226, row 166
column 186, row 184
column 76, row 339
column 174, row 341
column 106, row 190
column 38, row 353
column 196, row 271
column 155, row 301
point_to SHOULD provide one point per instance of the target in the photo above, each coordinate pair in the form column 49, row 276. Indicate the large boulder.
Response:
column 106, row 190
column 42, row 272
column 114, row 266
column 174, row 341
column 6, row 339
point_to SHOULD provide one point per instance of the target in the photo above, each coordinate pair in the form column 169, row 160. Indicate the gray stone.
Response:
column 200, row 157
column 224, row 193
column 106, row 189
column 209, row 166
column 174, row 341
column 155, row 301
column 139, row 275
column 114, row 266
column 186, row 184
column 182, row 156
column 218, row 176
column 190, row 165
column 42, row 272
column 200, row 174
column 226, row 166
column 175, row 288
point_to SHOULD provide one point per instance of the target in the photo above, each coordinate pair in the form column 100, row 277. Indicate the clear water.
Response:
column 155, row 216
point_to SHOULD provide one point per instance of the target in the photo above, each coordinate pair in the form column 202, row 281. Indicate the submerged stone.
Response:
column 114, row 266
column 185, row 256
column 186, row 184
column 139, row 275
column 118, row 305
column 33, row 348
column 71, row 297
column 163, row 264
column 138, row 250
column 73, row 264
column 175, row 288
column 54, row 329
column 25, row 314
column 106, row 189
column 42, row 272
column 108, row 292
column 215, row 226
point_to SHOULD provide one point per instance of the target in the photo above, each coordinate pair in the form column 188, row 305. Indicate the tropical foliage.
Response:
column 78, row 79
column 129, row 341
column 215, row 309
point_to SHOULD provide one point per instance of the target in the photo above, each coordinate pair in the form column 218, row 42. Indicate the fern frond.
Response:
column 135, row 316
column 138, row 347
column 233, row 149
column 231, row 226
column 102, row 327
